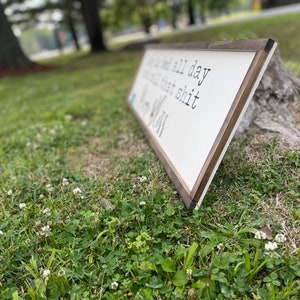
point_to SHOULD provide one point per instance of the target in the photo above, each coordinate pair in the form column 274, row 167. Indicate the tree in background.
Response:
column 91, row 16
column 25, row 16
column 191, row 11
column 205, row 6
column 70, row 17
column 143, row 13
column 53, row 14
column 11, row 53
column 175, row 7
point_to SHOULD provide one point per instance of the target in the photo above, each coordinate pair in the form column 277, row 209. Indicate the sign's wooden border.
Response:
column 263, row 49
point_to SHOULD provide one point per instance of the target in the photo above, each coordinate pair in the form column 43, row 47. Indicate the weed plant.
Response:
column 88, row 212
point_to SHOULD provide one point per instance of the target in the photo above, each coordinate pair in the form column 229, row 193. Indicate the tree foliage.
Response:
column 135, row 12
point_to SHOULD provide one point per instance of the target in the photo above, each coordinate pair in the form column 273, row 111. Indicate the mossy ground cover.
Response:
column 88, row 212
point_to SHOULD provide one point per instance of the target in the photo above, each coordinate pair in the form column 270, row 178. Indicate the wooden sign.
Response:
column 189, row 99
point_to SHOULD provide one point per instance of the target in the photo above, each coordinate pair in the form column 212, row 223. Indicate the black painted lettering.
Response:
column 189, row 98
column 178, row 94
column 172, row 87
column 205, row 72
column 160, row 123
column 197, row 72
column 192, row 68
column 156, row 109
column 196, row 97
column 183, row 95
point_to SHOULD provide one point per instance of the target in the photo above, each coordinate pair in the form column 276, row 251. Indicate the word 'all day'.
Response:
column 179, row 66
column 183, row 93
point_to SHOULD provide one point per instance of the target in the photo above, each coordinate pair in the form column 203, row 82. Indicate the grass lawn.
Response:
column 88, row 212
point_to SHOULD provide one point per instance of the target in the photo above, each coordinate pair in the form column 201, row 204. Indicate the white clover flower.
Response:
column 65, row 182
column 280, row 238
column 46, row 211
column 114, row 285
column 83, row 123
column 68, row 117
column 271, row 246
column 9, row 192
column 260, row 235
column 52, row 131
column 220, row 247
column 77, row 191
column 142, row 178
column 45, row 228
column 22, row 205
column 45, row 231
column 1, row 232
column 142, row 203
column 49, row 188
column 46, row 273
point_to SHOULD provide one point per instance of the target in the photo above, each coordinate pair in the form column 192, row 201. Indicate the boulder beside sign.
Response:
column 189, row 99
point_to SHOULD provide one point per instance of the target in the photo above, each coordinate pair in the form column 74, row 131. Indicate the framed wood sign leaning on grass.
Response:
column 189, row 99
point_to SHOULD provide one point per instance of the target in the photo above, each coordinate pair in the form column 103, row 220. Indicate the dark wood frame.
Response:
column 262, row 49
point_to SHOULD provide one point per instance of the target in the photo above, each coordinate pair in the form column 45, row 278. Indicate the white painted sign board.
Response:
column 189, row 99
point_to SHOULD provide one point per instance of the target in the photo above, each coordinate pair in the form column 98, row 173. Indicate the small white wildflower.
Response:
column 142, row 178
column 77, row 191
column 46, row 211
column 45, row 228
column 39, row 137
column 114, row 285
column 280, row 238
column 189, row 272
column 68, row 117
column 22, row 205
column 260, row 235
column 61, row 273
column 271, row 246
column 1, row 232
column 65, row 182
column 9, row 192
column 52, row 131
column 49, row 188
column 220, row 247
column 45, row 231
column 46, row 273
column 83, row 122
column 142, row 203
column 28, row 144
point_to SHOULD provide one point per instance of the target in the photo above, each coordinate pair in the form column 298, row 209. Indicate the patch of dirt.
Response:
column 95, row 162
column 277, row 211
column 26, row 71
column 254, row 149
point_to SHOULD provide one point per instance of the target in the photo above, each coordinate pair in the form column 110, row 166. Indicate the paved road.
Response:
column 267, row 13
column 141, row 37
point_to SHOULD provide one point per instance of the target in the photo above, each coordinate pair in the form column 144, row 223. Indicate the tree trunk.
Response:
column 90, row 12
column 73, row 32
column 71, row 22
column 190, row 9
column 11, row 53
column 202, row 5
column 57, row 40
column 273, row 105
